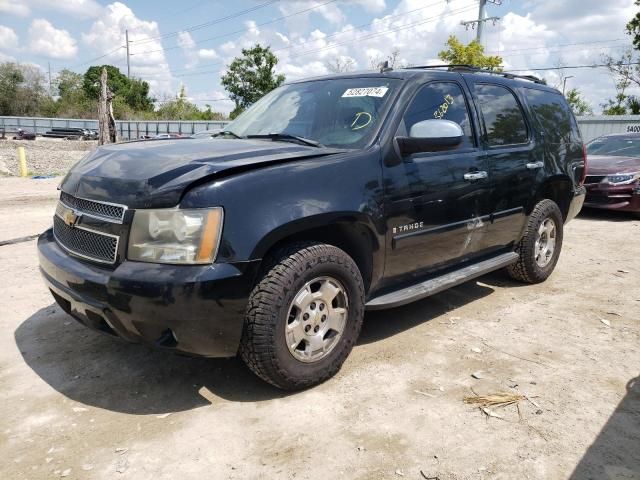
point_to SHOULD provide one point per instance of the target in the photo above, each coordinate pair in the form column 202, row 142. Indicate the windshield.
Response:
column 615, row 146
column 342, row 113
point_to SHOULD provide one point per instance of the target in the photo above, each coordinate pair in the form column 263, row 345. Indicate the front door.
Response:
column 436, row 203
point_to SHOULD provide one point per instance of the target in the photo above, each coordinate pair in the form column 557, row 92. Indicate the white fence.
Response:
column 597, row 125
column 127, row 129
column 591, row 127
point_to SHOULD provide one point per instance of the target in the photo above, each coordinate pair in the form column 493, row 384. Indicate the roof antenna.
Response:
column 384, row 67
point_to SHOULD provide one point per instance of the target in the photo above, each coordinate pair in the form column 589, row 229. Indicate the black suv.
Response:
column 327, row 197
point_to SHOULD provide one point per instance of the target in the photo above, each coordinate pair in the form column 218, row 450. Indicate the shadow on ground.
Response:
column 102, row 371
column 615, row 454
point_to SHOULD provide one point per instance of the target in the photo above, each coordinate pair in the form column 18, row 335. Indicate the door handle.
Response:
column 535, row 165
column 475, row 175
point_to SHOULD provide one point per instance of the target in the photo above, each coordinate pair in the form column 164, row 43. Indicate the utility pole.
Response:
column 482, row 19
column 564, row 83
column 50, row 87
column 126, row 36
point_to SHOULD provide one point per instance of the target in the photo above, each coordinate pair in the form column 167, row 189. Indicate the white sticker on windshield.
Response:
column 366, row 92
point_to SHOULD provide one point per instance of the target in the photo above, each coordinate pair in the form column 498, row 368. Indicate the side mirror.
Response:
column 431, row 136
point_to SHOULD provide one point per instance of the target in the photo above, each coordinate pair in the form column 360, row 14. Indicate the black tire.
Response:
column 526, row 269
column 263, row 346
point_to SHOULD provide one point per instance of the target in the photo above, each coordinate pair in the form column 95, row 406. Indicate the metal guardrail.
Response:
column 591, row 126
column 127, row 129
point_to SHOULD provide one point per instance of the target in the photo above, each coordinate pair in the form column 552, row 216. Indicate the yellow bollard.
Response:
column 22, row 162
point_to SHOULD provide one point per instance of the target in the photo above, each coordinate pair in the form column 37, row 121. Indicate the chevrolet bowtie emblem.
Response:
column 70, row 218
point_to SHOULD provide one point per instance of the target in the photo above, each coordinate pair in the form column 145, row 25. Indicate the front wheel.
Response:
column 304, row 316
column 540, row 247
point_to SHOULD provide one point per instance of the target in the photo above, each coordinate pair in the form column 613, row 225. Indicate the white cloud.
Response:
column 14, row 7
column 148, row 60
column 74, row 8
column 535, row 39
column 185, row 40
column 207, row 54
column 568, row 33
column 46, row 40
column 6, row 58
column 8, row 38
column 218, row 100
column 191, row 53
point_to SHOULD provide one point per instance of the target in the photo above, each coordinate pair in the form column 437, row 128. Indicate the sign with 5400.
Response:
column 633, row 128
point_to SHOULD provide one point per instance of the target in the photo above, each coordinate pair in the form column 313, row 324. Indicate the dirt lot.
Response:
column 80, row 405
column 45, row 156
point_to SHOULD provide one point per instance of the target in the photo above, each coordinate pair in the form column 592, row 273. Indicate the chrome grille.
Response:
column 86, row 243
column 106, row 211
column 594, row 178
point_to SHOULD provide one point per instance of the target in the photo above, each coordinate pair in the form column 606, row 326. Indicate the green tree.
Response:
column 577, row 103
column 22, row 90
column 251, row 76
column 131, row 94
column 458, row 53
column 68, row 82
column 72, row 101
column 624, row 73
column 10, row 79
column 633, row 28
column 179, row 108
column 633, row 105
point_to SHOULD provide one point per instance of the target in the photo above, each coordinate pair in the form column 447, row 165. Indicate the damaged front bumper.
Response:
column 192, row 309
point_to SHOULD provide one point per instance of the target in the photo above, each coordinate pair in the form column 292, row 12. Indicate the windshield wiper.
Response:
column 227, row 132
column 287, row 137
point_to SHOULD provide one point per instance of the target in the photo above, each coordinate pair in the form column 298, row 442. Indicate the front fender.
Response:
column 264, row 206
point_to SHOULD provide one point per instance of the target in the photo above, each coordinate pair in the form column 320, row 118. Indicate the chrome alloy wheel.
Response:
column 545, row 242
column 317, row 318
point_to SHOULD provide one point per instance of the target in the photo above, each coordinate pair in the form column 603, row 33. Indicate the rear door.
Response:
column 512, row 163
column 436, row 202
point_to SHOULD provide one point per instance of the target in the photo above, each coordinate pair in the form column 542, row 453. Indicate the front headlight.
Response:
column 189, row 236
column 622, row 178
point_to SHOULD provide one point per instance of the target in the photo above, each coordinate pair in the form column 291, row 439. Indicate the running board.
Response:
column 438, row 284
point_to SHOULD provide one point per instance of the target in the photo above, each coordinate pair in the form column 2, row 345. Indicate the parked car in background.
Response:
column 22, row 135
column 207, row 133
column 165, row 136
column 613, row 173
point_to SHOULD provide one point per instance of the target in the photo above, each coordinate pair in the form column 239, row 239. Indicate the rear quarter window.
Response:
column 553, row 116
column 503, row 118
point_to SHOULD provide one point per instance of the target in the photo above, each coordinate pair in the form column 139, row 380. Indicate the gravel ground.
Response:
column 45, row 156
column 80, row 405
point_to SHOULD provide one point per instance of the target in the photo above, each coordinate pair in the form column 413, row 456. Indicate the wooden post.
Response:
column 106, row 122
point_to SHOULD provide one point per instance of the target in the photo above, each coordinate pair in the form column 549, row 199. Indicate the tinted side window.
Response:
column 442, row 100
column 553, row 115
column 502, row 115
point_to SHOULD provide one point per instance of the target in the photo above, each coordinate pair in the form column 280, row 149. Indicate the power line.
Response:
column 209, row 23
column 97, row 58
column 335, row 34
column 571, row 67
column 556, row 46
column 333, row 45
column 241, row 30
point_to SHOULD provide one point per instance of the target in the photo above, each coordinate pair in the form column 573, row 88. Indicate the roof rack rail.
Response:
column 472, row 69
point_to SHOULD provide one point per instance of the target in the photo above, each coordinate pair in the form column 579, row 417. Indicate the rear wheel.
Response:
column 540, row 247
column 304, row 316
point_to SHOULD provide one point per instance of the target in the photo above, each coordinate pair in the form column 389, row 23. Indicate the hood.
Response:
column 156, row 173
column 609, row 165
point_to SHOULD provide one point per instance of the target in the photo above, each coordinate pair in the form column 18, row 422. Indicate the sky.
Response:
column 189, row 43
